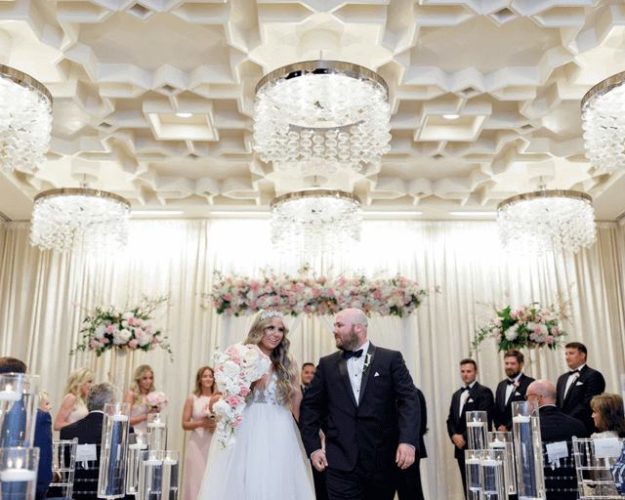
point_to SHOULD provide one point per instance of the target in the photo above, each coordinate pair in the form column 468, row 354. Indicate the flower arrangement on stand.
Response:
column 529, row 326
column 235, row 370
column 294, row 295
column 109, row 328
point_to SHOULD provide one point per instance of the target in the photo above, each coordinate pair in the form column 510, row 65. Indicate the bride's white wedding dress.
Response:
column 267, row 460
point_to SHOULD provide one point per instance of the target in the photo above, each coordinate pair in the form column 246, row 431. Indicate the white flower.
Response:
column 512, row 332
column 99, row 331
column 231, row 369
column 121, row 337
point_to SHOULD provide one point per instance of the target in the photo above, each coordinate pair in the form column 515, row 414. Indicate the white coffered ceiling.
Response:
column 514, row 71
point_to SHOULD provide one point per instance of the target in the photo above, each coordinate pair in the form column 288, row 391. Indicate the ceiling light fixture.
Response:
column 25, row 120
column 317, row 117
column 184, row 115
column 79, row 218
column 451, row 116
column 547, row 220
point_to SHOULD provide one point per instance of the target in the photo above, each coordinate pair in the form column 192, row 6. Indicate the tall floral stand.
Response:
column 118, row 365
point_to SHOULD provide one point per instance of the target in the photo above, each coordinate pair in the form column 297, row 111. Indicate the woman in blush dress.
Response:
column 74, row 405
column 267, row 460
column 197, row 419
column 142, row 385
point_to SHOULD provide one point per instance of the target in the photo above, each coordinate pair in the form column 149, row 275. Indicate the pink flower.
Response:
column 133, row 343
column 244, row 391
column 233, row 400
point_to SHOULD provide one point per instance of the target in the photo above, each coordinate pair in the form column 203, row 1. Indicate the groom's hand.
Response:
column 404, row 457
column 319, row 460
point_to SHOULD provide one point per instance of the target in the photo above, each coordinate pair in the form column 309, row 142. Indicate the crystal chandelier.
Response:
column 25, row 120
column 319, row 116
column 79, row 218
column 603, row 121
column 546, row 220
column 315, row 221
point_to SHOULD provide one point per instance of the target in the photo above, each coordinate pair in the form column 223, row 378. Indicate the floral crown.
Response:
column 270, row 314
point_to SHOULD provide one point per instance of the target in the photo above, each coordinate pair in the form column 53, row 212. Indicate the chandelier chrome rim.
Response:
column 547, row 193
column 315, row 193
column 25, row 80
column 96, row 193
column 603, row 87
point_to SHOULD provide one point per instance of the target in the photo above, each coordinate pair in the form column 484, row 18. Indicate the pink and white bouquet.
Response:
column 529, row 326
column 156, row 401
column 111, row 328
column 235, row 370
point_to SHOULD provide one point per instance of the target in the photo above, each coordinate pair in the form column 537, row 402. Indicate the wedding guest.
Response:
column 74, row 407
column 556, row 426
column 197, row 418
column 307, row 375
column 44, row 402
column 409, row 486
column 472, row 396
column 142, row 385
column 607, row 415
column 88, row 430
column 510, row 389
column 43, row 432
column 577, row 387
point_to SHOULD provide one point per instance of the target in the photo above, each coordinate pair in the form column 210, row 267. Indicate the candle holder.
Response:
column 138, row 445
column 113, row 450
column 158, row 475
column 19, row 395
column 472, row 460
column 499, row 440
column 157, row 431
column 477, row 427
column 528, row 451
column 492, row 474
column 18, row 473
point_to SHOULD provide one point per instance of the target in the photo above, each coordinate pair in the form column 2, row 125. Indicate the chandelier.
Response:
column 547, row 220
column 320, row 116
column 603, row 121
column 79, row 218
column 25, row 120
column 315, row 221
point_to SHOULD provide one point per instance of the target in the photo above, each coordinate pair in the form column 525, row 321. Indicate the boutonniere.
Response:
column 365, row 367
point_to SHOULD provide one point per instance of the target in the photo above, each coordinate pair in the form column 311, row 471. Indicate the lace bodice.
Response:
column 268, row 394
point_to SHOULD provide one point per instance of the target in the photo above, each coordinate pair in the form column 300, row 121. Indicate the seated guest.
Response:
column 89, row 431
column 73, row 406
column 43, row 432
column 607, row 415
column 556, row 426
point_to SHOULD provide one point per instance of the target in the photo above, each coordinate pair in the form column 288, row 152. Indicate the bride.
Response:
column 267, row 460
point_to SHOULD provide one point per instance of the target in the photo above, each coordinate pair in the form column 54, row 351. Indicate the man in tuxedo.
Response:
column 409, row 486
column 577, row 387
column 556, row 426
column 510, row 389
column 43, row 432
column 307, row 375
column 363, row 399
column 472, row 396
column 88, row 430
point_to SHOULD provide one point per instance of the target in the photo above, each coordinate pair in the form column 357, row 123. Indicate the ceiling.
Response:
column 513, row 70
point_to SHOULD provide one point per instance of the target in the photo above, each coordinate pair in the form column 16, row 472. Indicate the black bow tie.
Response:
column 573, row 372
column 510, row 382
column 352, row 354
column 466, row 388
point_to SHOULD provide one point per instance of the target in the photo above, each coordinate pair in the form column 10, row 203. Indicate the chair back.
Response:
column 594, row 458
column 63, row 467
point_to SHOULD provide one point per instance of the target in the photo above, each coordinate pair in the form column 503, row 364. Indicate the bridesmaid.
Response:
column 197, row 419
column 142, row 385
column 74, row 404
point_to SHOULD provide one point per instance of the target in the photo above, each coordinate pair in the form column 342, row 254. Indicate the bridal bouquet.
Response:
column 156, row 401
column 235, row 370
column 529, row 326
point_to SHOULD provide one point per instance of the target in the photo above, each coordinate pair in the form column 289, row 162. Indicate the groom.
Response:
column 363, row 399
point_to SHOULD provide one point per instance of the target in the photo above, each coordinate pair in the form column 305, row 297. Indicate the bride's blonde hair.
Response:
column 280, row 357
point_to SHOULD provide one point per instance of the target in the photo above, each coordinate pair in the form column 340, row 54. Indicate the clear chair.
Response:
column 593, row 461
column 63, row 467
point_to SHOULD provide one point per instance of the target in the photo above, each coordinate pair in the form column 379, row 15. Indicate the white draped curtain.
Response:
column 44, row 297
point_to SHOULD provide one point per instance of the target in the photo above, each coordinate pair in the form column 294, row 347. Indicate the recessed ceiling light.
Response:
column 469, row 213
column 451, row 117
column 184, row 115
column 155, row 213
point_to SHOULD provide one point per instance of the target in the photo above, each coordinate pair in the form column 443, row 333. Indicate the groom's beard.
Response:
column 350, row 343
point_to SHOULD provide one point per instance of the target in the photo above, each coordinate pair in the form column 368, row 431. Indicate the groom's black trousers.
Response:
column 360, row 485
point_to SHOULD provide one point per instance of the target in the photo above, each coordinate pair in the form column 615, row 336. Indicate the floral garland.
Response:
column 529, row 326
column 111, row 328
column 294, row 295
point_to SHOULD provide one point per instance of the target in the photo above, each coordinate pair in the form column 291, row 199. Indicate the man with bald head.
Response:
column 363, row 399
column 556, row 426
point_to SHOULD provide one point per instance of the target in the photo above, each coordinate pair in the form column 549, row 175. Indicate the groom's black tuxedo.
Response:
column 361, row 438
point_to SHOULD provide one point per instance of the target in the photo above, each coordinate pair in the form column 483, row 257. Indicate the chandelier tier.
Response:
column 320, row 116
column 603, row 121
column 315, row 221
column 79, row 218
column 547, row 220
column 25, row 120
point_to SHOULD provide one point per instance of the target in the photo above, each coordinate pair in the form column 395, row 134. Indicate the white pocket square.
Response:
column 376, row 374
column 470, row 401
column 517, row 393
column 579, row 383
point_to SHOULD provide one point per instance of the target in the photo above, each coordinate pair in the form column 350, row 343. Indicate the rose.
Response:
column 121, row 337
column 512, row 332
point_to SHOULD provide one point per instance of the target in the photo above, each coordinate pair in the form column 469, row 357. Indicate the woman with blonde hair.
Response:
column 197, row 418
column 267, row 460
column 142, row 385
column 74, row 404
column 608, row 416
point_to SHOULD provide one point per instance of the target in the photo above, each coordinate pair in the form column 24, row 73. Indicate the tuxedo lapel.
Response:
column 345, row 377
column 366, row 372
column 501, row 396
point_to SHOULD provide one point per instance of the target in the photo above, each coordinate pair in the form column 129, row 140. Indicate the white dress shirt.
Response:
column 572, row 379
column 355, row 367
column 512, row 387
